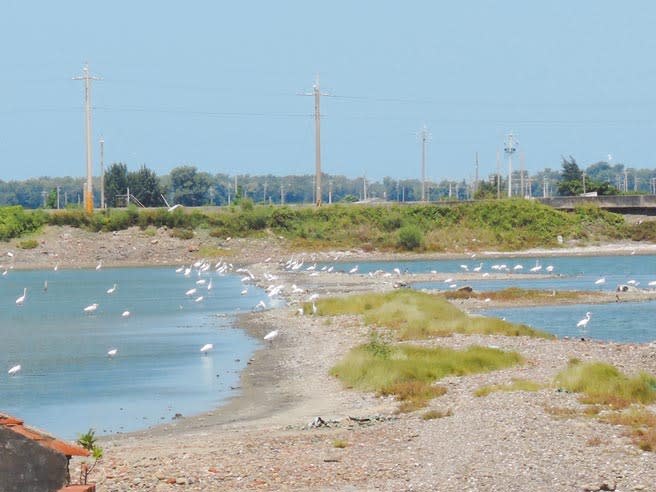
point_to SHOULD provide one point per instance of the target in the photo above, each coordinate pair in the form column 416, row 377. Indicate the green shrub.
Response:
column 182, row 233
column 410, row 238
column 28, row 244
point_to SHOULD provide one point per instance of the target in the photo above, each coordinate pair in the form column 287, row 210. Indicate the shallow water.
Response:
column 621, row 322
column 68, row 383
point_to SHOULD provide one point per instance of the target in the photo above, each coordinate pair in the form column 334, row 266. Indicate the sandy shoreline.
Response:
column 261, row 440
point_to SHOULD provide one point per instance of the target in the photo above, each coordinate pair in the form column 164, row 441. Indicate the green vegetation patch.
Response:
column 408, row 372
column 604, row 384
column 14, row 222
column 515, row 385
column 526, row 295
column 415, row 315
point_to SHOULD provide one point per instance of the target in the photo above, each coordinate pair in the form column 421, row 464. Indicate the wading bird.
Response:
column 112, row 352
column 21, row 299
column 14, row 370
column 584, row 322
column 206, row 348
column 271, row 335
column 111, row 290
column 91, row 308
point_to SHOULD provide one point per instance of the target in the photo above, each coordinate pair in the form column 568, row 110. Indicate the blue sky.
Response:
column 216, row 85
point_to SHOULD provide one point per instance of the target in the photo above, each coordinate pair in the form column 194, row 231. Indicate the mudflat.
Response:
column 294, row 427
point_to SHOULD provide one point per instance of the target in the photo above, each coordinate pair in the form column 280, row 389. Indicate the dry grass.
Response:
column 603, row 384
column 641, row 425
column 561, row 412
column 512, row 294
column 437, row 414
column 515, row 385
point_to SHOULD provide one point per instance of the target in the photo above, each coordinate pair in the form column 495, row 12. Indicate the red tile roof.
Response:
column 43, row 438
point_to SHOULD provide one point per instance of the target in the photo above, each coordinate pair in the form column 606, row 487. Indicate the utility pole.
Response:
column 510, row 150
column 476, row 176
column 330, row 192
column 282, row 194
column 102, row 172
column 583, row 179
column 88, row 192
column 423, row 136
column 521, row 175
column 626, row 180
column 316, row 92
column 498, row 175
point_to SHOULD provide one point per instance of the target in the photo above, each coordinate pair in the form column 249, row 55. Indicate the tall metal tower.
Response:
column 424, row 136
column 88, row 191
column 510, row 149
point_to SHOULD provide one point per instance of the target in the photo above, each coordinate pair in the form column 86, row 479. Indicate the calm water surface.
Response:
column 68, row 384
column 621, row 322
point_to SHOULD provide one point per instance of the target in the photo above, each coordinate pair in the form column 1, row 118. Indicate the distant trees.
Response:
column 143, row 184
column 574, row 181
column 189, row 187
column 571, row 182
column 116, row 183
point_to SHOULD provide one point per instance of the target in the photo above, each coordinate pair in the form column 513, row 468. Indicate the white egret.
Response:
column 126, row 314
column 652, row 283
column 584, row 322
column 354, row 269
column 537, row 267
column 201, row 281
column 206, row 348
column 397, row 270
column 271, row 335
column 209, row 285
column 260, row 305
column 14, row 370
column 464, row 267
column 112, row 352
column 190, row 292
column 199, row 299
column 550, row 268
column 244, row 292
column 91, row 308
column 179, row 269
column 600, row 281
column 518, row 267
column 56, row 267
column 448, row 280
column 111, row 290
column 99, row 265
column 174, row 207
column 21, row 299
column 314, row 308
column 479, row 267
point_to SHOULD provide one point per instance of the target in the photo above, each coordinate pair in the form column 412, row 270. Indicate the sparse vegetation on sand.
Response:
column 413, row 315
column 408, row 372
column 512, row 294
column 613, row 398
column 603, row 384
column 515, row 385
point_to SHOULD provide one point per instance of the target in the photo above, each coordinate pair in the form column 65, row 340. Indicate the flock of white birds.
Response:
column 201, row 267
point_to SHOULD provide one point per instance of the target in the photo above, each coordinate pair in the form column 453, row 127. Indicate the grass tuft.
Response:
column 515, row 385
column 416, row 315
column 603, row 384
column 437, row 414
column 340, row 443
column 408, row 372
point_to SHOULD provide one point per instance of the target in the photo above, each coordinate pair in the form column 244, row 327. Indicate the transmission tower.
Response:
column 88, row 192
column 510, row 149
column 424, row 136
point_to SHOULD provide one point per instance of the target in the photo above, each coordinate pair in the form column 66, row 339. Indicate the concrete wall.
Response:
column 26, row 466
column 629, row 203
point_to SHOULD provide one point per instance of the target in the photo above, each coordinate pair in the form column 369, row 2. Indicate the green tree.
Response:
column 189, row 187
column 116, row 182
column 144, row 185
column 571, row 178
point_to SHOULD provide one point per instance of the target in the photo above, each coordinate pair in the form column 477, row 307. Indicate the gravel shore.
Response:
column 264, row 439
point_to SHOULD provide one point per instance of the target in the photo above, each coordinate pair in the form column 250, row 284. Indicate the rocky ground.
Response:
column 296, row 428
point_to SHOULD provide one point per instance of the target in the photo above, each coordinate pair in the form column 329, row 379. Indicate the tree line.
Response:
column 188, row 186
